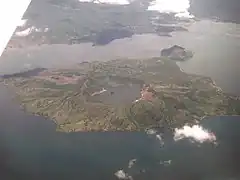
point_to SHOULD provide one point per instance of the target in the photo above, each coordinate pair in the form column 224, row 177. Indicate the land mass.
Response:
column 177, row 53
column 120, row 95
column 74, row 22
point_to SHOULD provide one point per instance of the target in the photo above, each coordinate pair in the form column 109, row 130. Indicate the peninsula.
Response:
column 120, row 95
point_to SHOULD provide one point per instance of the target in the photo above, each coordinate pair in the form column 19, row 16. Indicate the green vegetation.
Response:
column 104, row 97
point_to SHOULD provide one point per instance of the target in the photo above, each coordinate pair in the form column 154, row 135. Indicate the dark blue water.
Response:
column 30, row 148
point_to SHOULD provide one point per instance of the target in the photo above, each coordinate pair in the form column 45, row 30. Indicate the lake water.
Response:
column 30, row 148
column 215, row 46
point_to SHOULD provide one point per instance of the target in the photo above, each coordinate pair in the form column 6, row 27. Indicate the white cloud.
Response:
column 24, row 33
column 196, row 132
column 180, row 7
column 122, row 175
column 28, row 31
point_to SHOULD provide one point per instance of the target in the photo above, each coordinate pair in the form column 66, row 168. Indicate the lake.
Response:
column 215, row 47
column 30, row 148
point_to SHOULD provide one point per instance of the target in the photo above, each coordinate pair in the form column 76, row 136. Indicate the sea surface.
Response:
column 30, row 148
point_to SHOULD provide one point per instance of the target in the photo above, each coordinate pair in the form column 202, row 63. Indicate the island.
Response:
column 177, row 53
column 120, row 95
